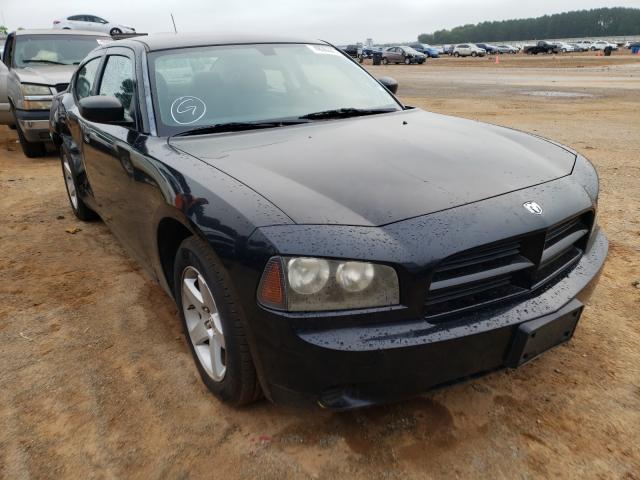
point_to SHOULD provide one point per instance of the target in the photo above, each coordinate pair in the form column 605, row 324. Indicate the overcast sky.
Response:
column 338, row 21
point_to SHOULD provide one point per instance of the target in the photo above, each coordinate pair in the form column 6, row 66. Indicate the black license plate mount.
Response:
column 535, row 337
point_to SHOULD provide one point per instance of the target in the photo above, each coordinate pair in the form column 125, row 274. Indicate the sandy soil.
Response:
column 96, row 380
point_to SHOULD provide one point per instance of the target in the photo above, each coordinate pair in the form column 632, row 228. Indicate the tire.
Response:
column 30, row 149
column 80, row 209
column 115, row 31
column 232, row 377
column 407, row 61
column 593, row 49
column 456, row 54
column 385, row 61
column 474, row 54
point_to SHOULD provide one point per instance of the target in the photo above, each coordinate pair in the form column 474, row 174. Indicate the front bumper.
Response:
column 342, row 368
column 34, row 124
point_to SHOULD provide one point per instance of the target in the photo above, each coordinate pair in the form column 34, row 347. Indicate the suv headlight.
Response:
column 36, row 97
column 306, row 284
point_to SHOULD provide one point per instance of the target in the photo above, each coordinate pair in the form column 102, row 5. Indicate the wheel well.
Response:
column 171, row 234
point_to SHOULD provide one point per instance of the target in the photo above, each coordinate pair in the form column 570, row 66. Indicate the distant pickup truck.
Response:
column 541, row 47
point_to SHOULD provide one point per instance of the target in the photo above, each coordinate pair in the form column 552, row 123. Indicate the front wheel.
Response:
column 407, row 61
column 456, row 54
column 115, row 31
column 213, row 324
column 385, row 61
column 80, row 209
column 474, row 54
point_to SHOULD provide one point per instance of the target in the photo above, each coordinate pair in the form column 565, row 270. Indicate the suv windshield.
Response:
column 205, row 86
column 32, row 50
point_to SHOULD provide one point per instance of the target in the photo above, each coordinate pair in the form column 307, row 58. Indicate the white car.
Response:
column 468, row 50
column 585, row 44
column 92, row 23
column 566, row 47
column 601, row 45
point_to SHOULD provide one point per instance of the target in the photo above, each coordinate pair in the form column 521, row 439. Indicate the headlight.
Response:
column 32, row 89
column 307, row 275
column 36, row 97
column 303, row 284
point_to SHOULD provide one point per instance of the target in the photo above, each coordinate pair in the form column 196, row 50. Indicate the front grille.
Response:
column 498, row 271
column 61, row 87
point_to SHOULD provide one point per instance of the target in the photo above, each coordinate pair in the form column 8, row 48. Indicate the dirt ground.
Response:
column 96, row 380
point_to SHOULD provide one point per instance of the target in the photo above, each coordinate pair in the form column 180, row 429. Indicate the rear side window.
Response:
column 117, row 81
column 86, row 78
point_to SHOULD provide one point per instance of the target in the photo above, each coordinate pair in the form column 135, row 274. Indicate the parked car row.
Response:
column 418, row 53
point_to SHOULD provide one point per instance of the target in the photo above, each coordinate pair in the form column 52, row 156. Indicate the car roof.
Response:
column 165, row 41
column 51, row 31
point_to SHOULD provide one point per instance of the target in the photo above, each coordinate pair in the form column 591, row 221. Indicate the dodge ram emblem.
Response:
column 533, row 207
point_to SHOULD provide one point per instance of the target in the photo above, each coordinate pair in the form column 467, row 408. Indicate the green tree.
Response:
column 3, row 30
column 599, row 22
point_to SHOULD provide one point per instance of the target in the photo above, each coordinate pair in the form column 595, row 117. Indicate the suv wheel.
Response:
column 30, row 149
column 474, row 54
column 456, row 54
column 213, row 324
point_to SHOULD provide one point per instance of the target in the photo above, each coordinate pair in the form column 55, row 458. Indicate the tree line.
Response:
column 599, row 22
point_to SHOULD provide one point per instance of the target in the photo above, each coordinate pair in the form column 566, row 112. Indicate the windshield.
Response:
column 205, row 86
column 32, row 50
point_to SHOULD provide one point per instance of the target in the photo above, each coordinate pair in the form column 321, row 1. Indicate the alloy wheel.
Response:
column 68, row 179
column 203, row 324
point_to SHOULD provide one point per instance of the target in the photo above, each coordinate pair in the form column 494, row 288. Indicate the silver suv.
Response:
column 37, row 64
column 468, row 50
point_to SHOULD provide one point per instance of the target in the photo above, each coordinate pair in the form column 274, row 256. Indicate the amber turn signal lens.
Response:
column 271, row 289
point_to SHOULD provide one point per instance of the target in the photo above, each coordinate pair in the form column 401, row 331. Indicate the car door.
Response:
column 96, row 24
column 114, row 158
column 78, row 22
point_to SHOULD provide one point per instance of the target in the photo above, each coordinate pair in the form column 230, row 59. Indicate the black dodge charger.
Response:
column 311, row 266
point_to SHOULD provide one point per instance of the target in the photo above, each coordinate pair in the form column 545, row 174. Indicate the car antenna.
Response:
column 175, row 30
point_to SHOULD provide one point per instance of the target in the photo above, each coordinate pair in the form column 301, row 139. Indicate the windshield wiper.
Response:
column 52, row 62
column 346, row 113
column 237, row 127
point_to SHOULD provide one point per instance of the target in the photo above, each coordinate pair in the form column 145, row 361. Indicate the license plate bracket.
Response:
column 537, row 336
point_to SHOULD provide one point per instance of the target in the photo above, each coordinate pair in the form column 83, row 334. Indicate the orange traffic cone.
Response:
column 497, row 59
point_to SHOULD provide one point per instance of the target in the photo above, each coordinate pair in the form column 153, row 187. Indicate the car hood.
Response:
column 45, row 74
column 383, row 168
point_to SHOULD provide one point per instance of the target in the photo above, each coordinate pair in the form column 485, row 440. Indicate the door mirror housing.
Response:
column 101, row 109
column 389, row 83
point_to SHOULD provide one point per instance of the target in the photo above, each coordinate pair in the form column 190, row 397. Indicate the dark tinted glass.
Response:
column 86, row 78
column 117, row 81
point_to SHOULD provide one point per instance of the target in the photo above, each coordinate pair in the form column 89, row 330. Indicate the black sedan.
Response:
column 310, row 266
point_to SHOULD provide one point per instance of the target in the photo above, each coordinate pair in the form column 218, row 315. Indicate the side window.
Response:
column 75, row 18
column 117, row 81
column 86, row 78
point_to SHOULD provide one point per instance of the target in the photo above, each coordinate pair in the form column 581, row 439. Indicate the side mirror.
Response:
column 101, row 109
column 389, row 83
